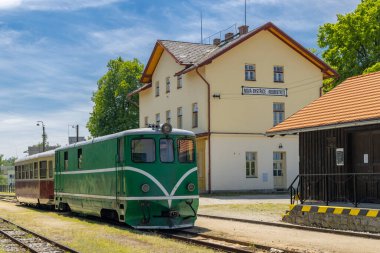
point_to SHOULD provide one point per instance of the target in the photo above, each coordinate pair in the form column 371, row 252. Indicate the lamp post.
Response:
column 43, row 134
column 77, row 131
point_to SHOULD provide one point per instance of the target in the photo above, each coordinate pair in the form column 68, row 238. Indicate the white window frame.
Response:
column 278, row 113
column 168, row 84
column 168, row 116
column 179, row 117
column 157, row 90
column 249, row 171
column 158, row 121
column 278, row 74
column 250, row 72
column 179, row 82
column 195, row 120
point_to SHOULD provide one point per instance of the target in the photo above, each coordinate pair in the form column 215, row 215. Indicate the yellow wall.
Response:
column 193, row 91
column 246, row 113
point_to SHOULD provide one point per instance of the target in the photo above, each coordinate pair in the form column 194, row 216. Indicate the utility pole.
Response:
column 77, row 127
column 43, row 134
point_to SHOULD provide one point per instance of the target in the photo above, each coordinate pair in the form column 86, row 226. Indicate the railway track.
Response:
column 19, row 239
column 291, row 226
column 220, row 243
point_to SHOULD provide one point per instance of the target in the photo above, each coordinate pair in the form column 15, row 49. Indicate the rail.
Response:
column 352, row 188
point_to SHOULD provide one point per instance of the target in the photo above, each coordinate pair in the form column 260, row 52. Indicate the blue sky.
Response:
column 52, row 52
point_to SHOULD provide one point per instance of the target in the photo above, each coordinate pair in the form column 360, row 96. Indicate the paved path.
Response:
column 245, row 199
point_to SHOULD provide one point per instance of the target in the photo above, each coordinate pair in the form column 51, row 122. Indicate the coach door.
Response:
column 120, row 157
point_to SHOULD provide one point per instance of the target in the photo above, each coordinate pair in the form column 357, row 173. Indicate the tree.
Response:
column 7, row 162
column 375, row 67
column 352, row 44
column 114, row 111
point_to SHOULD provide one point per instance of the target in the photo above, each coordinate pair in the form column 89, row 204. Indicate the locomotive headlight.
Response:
column 166, row 128
column 191, row 187
column 145, row 188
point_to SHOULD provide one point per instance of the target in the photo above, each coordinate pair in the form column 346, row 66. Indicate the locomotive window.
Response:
column 35, row 170
column 80, row 158
column 143, row 150
column 166, row 150
column 66, row 160
column 50, row 169
column 43, row 168
column 185, row 150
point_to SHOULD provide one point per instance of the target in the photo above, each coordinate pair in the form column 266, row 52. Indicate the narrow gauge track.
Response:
column 291, row 226
column 8, row 198
column 28, row 240
column 219, row 243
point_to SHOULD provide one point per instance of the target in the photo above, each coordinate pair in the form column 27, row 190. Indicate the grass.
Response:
column 88, row 236
column 7, row 193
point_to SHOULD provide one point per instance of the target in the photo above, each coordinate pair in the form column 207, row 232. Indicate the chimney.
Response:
column 243, row 29
column 228, row 36
column 216, row 41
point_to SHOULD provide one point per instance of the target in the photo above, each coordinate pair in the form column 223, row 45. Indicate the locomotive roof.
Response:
column 36, row 156
column 127, row 132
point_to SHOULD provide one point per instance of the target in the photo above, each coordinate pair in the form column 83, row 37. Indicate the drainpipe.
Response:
column 208, row 128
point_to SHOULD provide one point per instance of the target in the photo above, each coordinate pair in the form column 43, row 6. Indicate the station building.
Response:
column 339, row 156
column 230, row 93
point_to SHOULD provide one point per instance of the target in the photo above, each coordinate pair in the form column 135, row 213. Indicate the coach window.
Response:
column 43, row 169
column 36, row 170
column 23, row 172
column 27, row 175
column 30, row 165
column 66, row 160
column 185, row 150
column 80, row 158
column 166, row 150
column 50, row 169
column 143, row 150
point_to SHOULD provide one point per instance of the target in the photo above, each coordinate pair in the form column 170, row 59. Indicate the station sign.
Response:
column 245, row 90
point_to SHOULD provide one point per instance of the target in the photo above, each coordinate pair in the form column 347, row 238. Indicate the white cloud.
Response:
column 50, row 5
column 9, row 4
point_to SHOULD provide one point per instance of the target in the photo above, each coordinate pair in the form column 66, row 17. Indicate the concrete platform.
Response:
column 335, row 217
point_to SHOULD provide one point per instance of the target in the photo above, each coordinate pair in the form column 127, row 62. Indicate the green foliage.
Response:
column 374, row 68
column 7, row 162
column 114, row 111
column 353, row 43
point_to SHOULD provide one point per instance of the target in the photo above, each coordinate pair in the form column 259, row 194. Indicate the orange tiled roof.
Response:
column 356, row 100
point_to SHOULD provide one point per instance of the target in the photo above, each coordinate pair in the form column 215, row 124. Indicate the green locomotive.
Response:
column 145, row 177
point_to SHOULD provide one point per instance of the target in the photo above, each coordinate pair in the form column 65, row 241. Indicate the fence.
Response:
column 7, row 188
column 340, row 187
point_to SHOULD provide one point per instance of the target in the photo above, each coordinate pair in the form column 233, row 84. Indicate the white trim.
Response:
column 34, row 179
column 167, row 196
column 127, row 198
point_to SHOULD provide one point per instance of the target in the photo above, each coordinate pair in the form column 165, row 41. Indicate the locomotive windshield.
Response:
column 143, row 150
column 185, row 150
column 166, row 150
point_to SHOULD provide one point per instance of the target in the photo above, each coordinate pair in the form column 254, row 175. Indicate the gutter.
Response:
column 208, row 127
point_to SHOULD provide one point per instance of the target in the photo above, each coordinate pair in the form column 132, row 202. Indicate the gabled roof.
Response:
column 193, row 55
column 356, row 101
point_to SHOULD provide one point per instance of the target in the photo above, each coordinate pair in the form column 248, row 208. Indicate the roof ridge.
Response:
column 196, row 43
column 362, row 75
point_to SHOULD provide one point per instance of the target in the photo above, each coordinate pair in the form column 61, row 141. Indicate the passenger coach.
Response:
column 145, row 177
column 34, row 179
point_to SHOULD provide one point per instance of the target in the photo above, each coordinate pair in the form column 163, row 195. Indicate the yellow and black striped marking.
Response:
column 337, row 210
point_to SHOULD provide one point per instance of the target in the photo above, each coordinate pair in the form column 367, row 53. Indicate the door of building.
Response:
column 201, row 164
column 279, row 170
column 365, row 158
